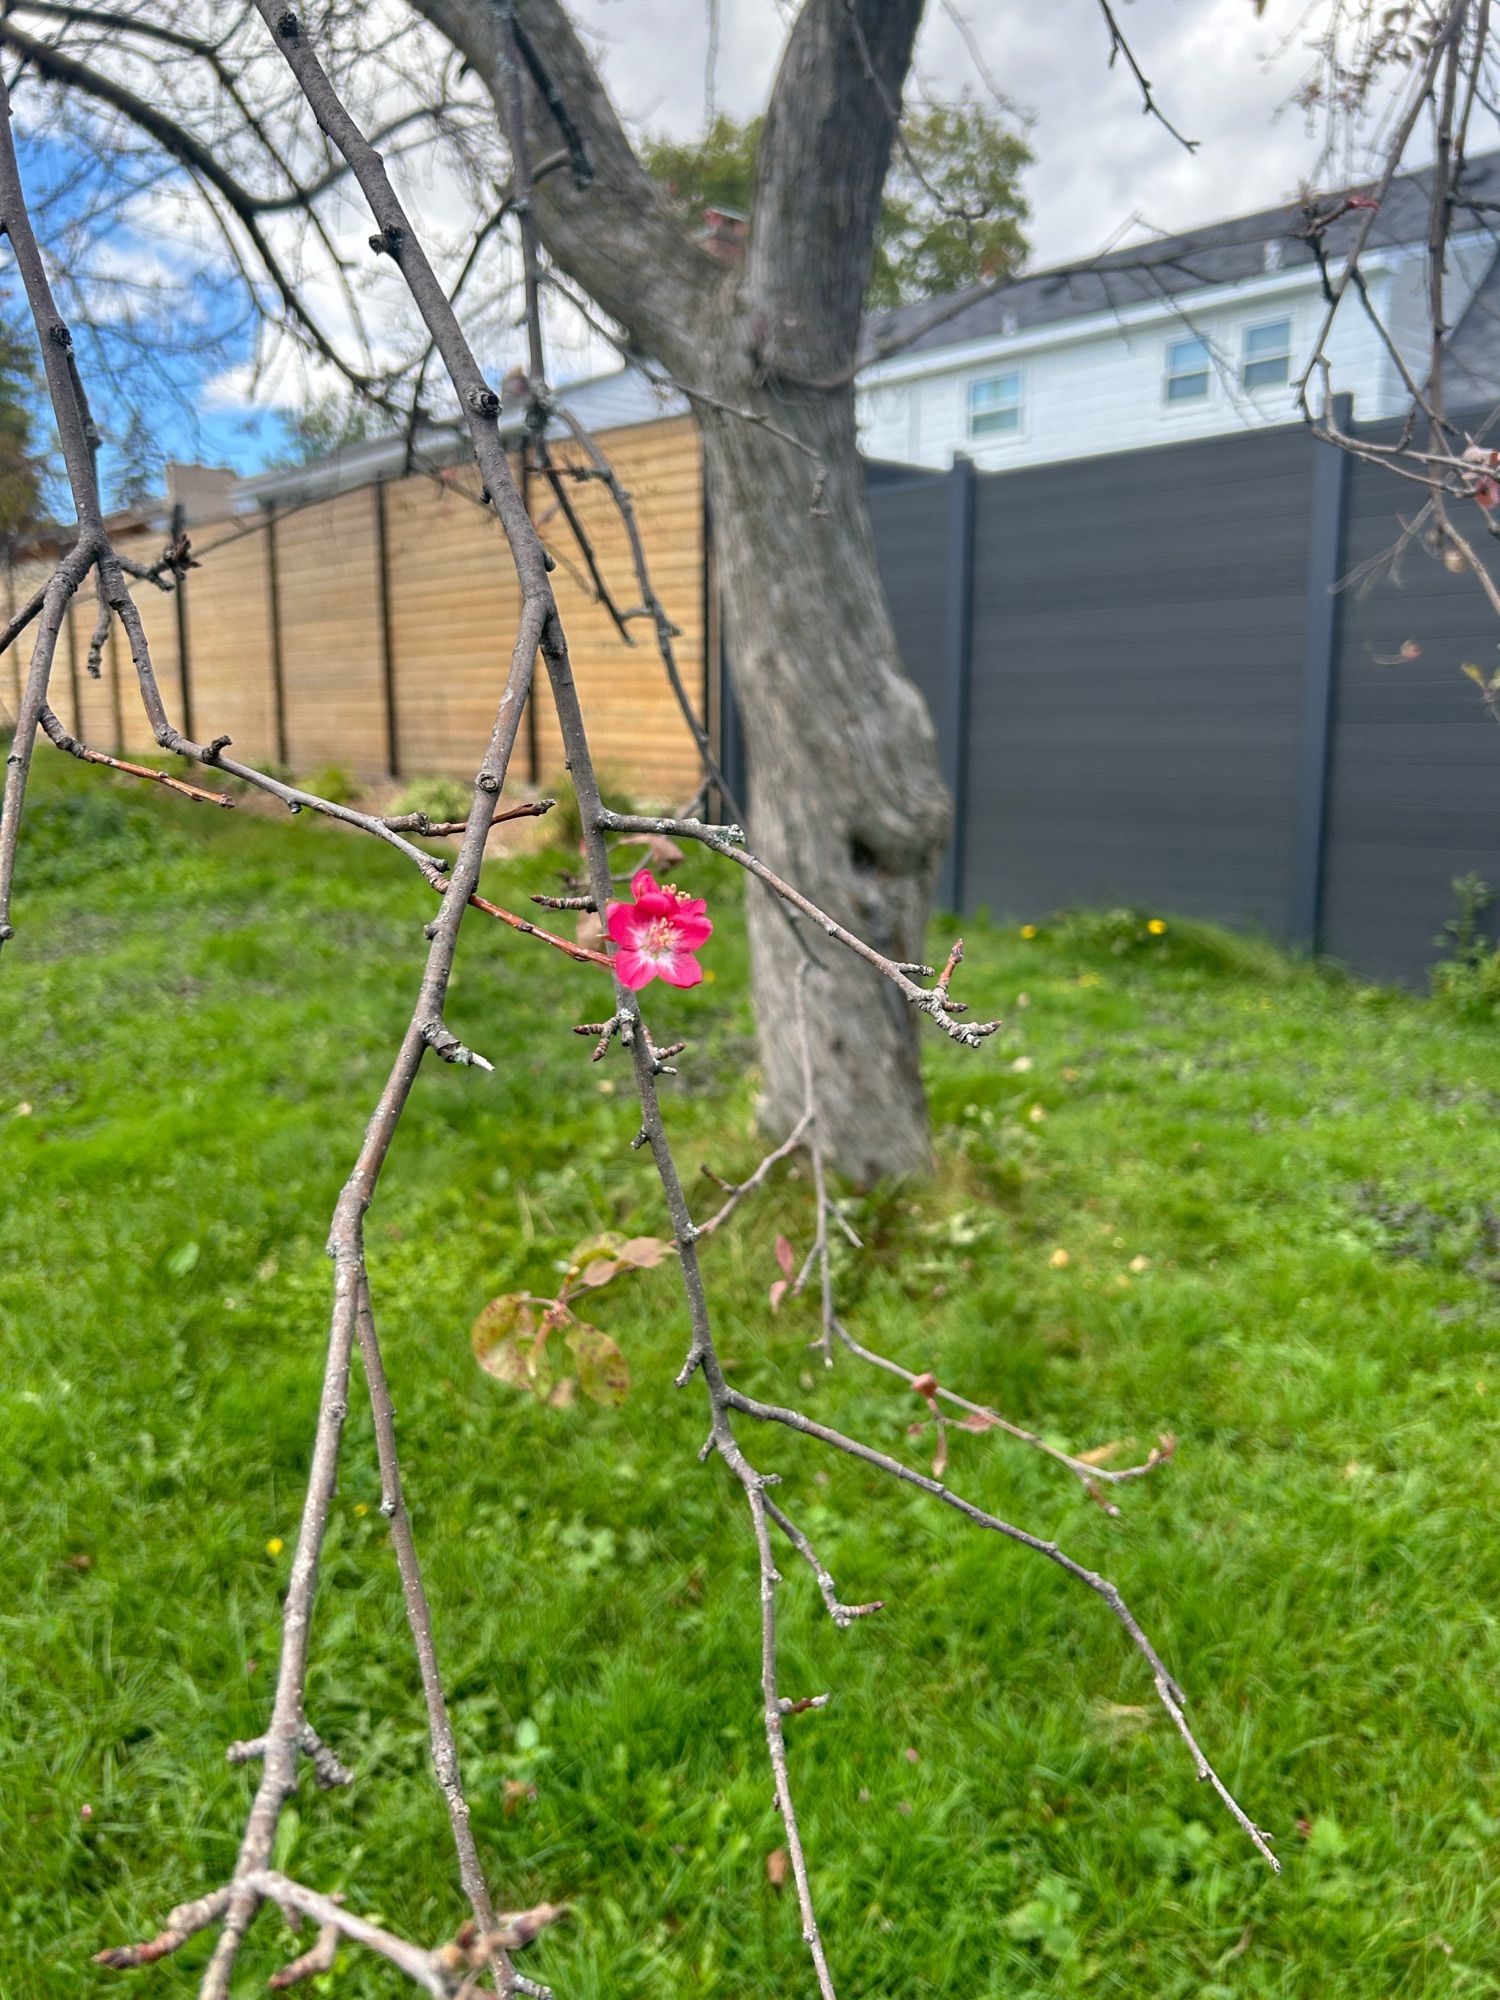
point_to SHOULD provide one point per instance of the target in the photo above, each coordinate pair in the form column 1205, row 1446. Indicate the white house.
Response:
column 1182, row 337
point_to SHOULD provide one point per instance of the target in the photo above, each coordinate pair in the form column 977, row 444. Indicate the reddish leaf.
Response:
column 660, row 851
column 979, row 1420
column 924, row 1385
column 599, row 1272
column 509, row 1314
column 940, row 1456
column 786, row 1257
column 778, row 1293
column 777, row 1865
column 644, row 1252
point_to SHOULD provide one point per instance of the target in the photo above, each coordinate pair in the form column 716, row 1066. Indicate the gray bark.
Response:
column 845, row 796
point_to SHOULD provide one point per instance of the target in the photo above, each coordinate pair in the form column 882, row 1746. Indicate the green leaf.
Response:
column 182, row 1259
column 1327, row 1838
column 603, row 1372
column 287, row 1829
column 605, row 1244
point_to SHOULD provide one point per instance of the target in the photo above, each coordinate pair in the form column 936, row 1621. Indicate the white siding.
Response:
column 1097, row 386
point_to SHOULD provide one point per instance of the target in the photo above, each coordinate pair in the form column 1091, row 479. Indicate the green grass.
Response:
column 196, row 1016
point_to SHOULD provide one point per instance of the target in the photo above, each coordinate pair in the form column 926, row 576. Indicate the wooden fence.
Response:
column 373, row 629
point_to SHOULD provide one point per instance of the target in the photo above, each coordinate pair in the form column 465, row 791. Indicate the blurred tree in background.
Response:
column 927, row 243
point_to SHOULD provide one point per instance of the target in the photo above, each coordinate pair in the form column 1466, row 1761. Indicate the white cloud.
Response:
column 1221, row 73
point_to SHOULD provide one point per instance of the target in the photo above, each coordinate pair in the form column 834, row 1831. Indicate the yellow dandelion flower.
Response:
column 1140, row 1263
column 1156, row 927
column 361, row 1508
column 275, row 1546
column 1028, row 930
column 1037, row 1113
column 1059, row 1260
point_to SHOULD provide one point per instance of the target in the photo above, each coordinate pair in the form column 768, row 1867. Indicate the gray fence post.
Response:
column 1325, row 562
column 953, row 723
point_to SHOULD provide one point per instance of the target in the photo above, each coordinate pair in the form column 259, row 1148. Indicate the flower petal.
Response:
column 681, row 970
column 632, row 970
column 693, row 932
column 625, row 922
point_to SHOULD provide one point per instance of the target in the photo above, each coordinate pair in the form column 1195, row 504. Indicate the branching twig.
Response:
column 728, row 841
column 449, row 1971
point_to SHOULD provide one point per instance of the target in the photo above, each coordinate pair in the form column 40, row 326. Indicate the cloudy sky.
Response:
column 1221, row 74
column 1102, row 173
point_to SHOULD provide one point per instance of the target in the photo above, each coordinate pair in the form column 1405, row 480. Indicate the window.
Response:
column 1268, row 354
column 1187, row 371
column 995, row 405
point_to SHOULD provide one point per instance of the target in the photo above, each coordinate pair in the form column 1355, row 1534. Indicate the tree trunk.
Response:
column 846, row 799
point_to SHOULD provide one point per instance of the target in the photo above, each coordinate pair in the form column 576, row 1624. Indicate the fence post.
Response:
column 273, row 616
column 387, row 646
column 533, row 732
column 953, row 723
column 73, row 687
column 184, row 668
column 1325, row 563
column 110, row 664
column 10, row 612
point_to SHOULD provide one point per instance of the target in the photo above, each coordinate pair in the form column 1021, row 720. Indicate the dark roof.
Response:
column 1221, row 253
column 1471, row 366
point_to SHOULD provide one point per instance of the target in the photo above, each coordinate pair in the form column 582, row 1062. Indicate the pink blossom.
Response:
column 1483, row 486
column 658, row 934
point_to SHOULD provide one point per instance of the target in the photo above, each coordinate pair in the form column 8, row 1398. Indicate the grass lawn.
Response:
column 194, row 1021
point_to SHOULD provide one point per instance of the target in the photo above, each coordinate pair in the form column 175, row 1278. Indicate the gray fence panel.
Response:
column 1138, row 627
column 1136, row 701
column 910, row 519
column 1414, row 790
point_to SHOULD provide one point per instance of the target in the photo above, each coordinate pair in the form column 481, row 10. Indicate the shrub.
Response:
column 1180, row 941
column 440, row 798
column 334, row 782
column 564, row 824
column 1467, row 978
